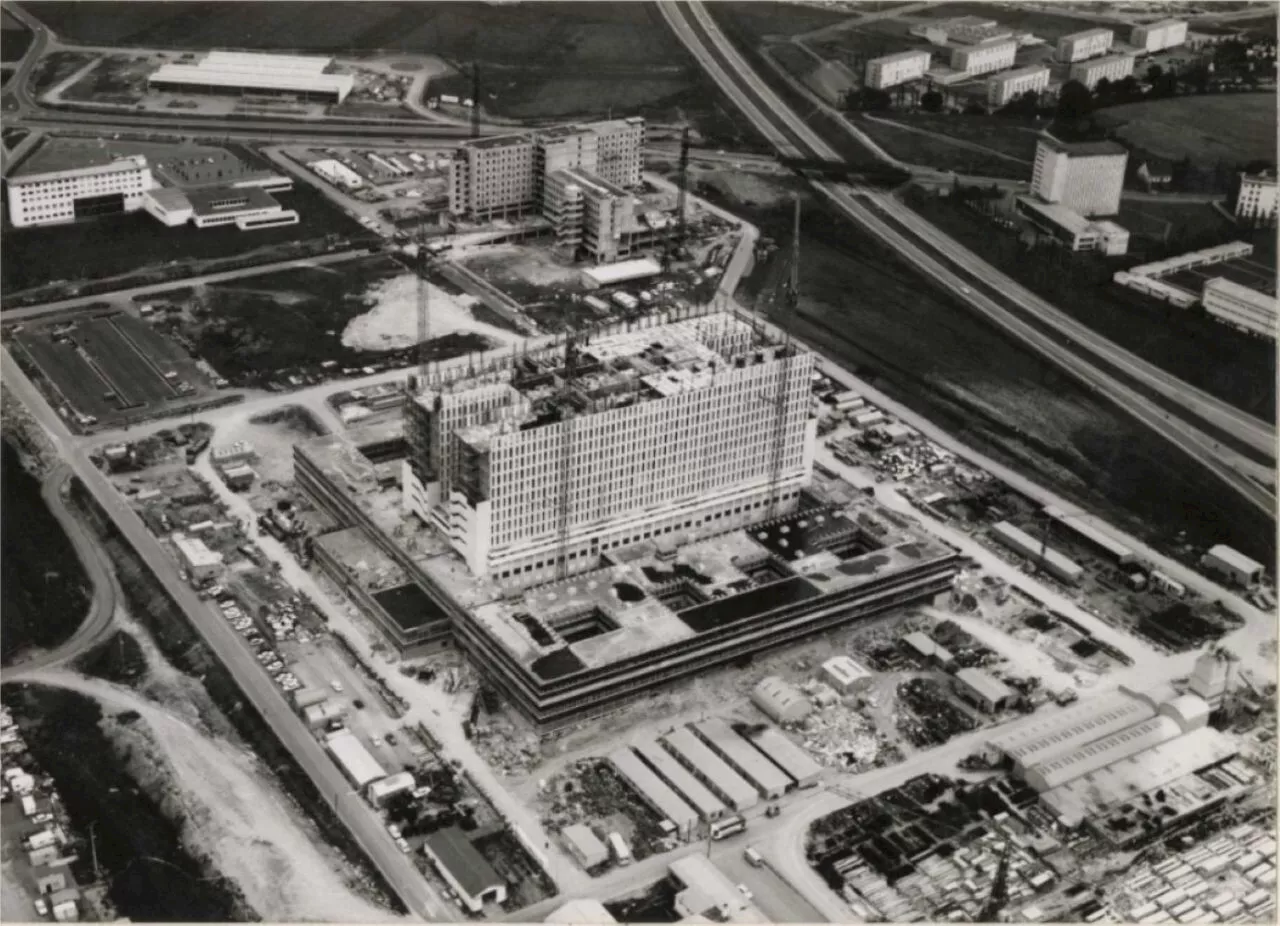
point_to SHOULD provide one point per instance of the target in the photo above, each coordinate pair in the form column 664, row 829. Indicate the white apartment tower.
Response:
column 1087, row 44
column 500, row 177
column 1112, row 67
column 1002, row 88
column 1153, row 37
column 891, row 70
column 1086, row 177
column 662, row 430
column 991, row 55
column 53, row 196
column 1257, row 198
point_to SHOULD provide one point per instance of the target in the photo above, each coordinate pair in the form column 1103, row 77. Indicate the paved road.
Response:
column 79, row 302
column 252, row 679
column 699, row 32
column 97, row 624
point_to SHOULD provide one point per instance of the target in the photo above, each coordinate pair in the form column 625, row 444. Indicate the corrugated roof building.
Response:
column 781, row 702
column 1043, row 737
column 788, row 756
column 744, row 758
column 699, row 796
column 654, row 791
column 355, row 761
column 983, row 690
column 1102, row 752
column 584, row 845
column 465, row 869
column 711, row 769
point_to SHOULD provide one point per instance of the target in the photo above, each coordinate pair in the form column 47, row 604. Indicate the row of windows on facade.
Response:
column 42, row 193
column 646, row 535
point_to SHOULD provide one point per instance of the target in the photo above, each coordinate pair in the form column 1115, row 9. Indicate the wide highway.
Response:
column 407, row 882
column 793, row 138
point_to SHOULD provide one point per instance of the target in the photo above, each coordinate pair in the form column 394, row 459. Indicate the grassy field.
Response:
column 765, row 19
column 1005, row 135
column 934, row 152
column 1046, row 25
column 15, row 38
column 115, row 245
column 45, row 590
column 1151, row 220
column 1236, row 127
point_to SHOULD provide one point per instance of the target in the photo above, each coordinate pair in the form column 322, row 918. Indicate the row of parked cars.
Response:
column 270, row 659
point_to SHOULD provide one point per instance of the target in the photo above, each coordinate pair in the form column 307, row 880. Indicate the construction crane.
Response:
column 564, row 499
column 790, row 298
column 676, row 238
column 415, row 428
column 475, row 99
column 999, row 895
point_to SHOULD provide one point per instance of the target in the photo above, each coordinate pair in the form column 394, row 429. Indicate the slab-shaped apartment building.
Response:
column 646, row 457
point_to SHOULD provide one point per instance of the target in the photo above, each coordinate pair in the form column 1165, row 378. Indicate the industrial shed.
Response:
column 1045, row 736
column 465, row 869
column 983, row 690
column 928, row 649
column 1102, row 752
column 1060, row 567
column 780, row 701
column 1231, row 564
column 584, row 845
column 788, row 756
column 654, row 791
column 745, row 759
column 699, row 796
column 398, row 783
column 356, row 762
column 1095, row 537
column 841, row 673
column 711, row 769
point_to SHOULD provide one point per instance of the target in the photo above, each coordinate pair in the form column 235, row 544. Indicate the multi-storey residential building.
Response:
column 984, row 57
column 591, row 215
column 493, row 178
column 1153, row 37
column 1257, row 196
column 658, row 429
column 1248, row 309
column 1087, row 44
column 1002, row 88
column 891, row 70
column 1112, row 67
column 56, row 186
column 1086, row 177
column 499, row 177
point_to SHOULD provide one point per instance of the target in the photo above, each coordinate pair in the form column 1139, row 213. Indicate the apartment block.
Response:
column 55, row 187
column 1086, row 177
column 1112, row 67
column 1257, row 196
column 891, row 70
column 1002, row 88
column 1087, row 44
column 492, row 178
column 984, row 57
column 1153, row 37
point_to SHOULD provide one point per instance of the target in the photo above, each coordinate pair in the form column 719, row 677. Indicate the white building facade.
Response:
column 1240, row 306
column 674, row 436
column 1153, row 37
column 1112, row 67
column 54, row 197
column 1086, row 177
column 1079, row 46
column 984, row 57
column 891, row 70
column 1002, row 88
column 1257, row 198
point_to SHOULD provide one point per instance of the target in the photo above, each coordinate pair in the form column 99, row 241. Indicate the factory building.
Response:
column 295, row 77
column 654, row 791
column 1257, row 196
column 1060, row 567
column 1096, row 538
column 1231, row 564
column 465, row 869
column 780, row 701
column 699, row 796
column 55, row 186
column 584, row 845
column 1001, row 88
column 1085, row 177
column 900, row 68
column 1079, row 46
column 1157, row 36
column 983, row 690
column 644, row 405
column 994, row 54
column 1240, row 306
column 1043, row 737
column 505, row 177
column 356, row 762
column 787, row 756
column 743, row 758
column 842, row 673
column 711, row 769
column 1112, row 68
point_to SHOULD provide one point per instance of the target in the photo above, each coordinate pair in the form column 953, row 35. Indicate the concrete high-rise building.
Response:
column 56, row 186
column 1087, row 44
column 1004, row 87
column 1257, row 196
column 1086, row 177
column 593, row 216
column 658, row 429
column 504, row 176
column 1157, row 36
column 1112, row 67
column 891, row 70
column 991, row 55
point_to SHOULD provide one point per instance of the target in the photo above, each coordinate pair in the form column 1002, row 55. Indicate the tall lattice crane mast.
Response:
column 675, row 238
column 790, row 298
column 564, row 497
column 423, row 305
column 475, row 99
